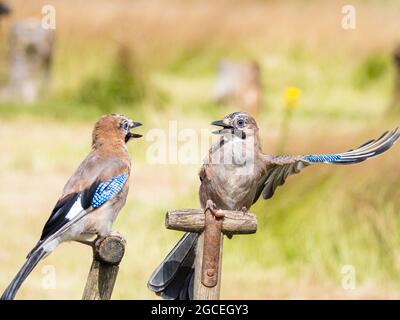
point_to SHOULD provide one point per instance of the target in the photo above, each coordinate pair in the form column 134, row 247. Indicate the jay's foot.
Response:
column 94, row 244
column 210, row 206
column 89, row 243
column 97, row 242
column 244, row 210
column 99, row 239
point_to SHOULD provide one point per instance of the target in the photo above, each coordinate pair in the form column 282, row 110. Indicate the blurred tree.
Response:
column 123, row 84
column 370, row 70
column 31, row 52
column 239, row 84
column 4, row 9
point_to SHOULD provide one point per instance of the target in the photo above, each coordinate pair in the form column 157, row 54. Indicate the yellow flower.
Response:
column 292, row 96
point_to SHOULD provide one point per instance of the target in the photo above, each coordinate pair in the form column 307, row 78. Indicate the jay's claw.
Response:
column 210, row 205
column 97, row 242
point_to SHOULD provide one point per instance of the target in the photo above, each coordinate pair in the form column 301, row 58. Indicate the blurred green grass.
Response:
column 319, row 221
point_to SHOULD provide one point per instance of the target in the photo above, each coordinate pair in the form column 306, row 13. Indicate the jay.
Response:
column 92, row 197
column 225, row 185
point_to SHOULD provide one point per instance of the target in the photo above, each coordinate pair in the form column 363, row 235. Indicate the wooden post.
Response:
column 104, row 269
column 207, row 280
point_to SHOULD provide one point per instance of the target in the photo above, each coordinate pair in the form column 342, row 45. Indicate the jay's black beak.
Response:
column 135, row 124
column 225, row 127
column 132, row 135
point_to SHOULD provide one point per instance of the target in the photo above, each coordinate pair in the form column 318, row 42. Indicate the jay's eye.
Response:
column 240, row 122
column 125, row 126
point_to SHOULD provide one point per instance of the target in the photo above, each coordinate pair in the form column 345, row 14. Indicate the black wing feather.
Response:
column 88, row 194
column 57, row 218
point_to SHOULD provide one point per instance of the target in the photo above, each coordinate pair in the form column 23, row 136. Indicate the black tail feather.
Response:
column 26, row 269
column 187, row 289
column 179, row 286
column 173, row 279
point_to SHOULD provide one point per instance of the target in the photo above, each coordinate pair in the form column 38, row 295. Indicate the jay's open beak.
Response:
column 135, row 124
column 225, row 127
column 134, row 135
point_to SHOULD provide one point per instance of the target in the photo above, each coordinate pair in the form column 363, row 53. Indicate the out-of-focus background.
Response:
column 313, row 85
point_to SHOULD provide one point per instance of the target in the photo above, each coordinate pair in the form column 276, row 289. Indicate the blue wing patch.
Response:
column 108, row 189
column 330, row 158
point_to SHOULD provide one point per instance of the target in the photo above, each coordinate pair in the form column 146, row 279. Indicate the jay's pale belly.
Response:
column 231, row 185
column 229, row 190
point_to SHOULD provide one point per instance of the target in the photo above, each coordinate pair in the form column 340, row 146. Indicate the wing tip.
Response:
column 366, row 151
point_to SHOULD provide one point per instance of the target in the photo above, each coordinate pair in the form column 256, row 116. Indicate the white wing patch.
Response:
column 51, row 245
column 75, row 209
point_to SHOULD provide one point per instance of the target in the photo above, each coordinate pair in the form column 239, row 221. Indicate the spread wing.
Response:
column 278, row 168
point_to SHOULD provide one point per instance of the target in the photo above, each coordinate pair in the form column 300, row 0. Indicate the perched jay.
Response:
column 227, row 184
column 92, row 197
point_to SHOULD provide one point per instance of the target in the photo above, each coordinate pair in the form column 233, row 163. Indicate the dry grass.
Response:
column 153, row 25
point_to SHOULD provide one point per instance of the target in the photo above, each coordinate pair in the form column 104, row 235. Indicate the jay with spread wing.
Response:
column 233, row 177
column 92, row 197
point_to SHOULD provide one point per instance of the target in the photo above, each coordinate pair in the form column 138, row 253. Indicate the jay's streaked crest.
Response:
column 224, row 186
column 92, row 197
